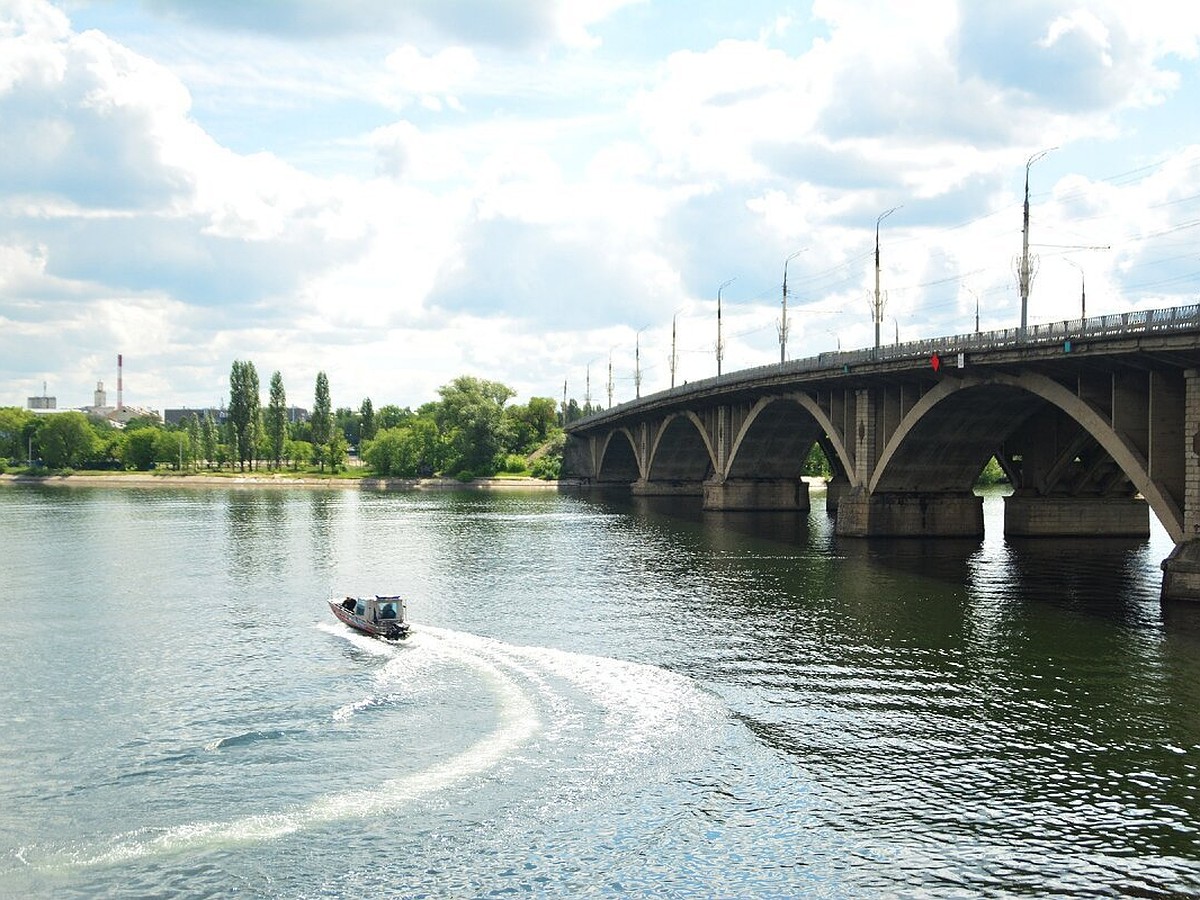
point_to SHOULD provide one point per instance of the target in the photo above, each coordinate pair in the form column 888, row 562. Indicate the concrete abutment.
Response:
column 1026, row 516
column 909, row 515
column 765, row 494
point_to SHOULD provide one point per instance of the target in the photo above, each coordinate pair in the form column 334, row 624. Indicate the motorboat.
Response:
column 379, row 616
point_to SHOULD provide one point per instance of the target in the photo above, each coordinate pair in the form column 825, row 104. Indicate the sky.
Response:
column 559, row 194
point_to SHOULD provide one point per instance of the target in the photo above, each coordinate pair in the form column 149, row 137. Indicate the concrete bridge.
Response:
column 1096, row 423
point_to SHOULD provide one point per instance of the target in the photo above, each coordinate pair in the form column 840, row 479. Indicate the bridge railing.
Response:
column 1178, row 318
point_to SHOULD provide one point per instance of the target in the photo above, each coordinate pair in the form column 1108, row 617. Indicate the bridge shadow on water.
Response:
column 1112, row 578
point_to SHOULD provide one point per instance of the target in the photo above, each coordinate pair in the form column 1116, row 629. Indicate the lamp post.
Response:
column 674, row 354
column 610, row 382
column 877, row 309
column 1023, row 276
column 720, row 339
column 783, row 322
column 1082, row 289
column 637, row 362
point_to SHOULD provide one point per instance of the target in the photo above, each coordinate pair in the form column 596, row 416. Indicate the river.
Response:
column 601, row 697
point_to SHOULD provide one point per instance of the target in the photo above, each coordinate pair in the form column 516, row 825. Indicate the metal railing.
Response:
column 1152, row 321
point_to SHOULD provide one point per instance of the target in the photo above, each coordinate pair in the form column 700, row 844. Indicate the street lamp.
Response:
column 637, row 362
column 610, row 381
column 721, row 340
column 783, row 322
column 1023, row 276
column 1082, row 289
column 877, row 310
column 674, row 354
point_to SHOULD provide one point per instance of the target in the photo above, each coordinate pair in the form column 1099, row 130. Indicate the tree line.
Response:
column 471, row 430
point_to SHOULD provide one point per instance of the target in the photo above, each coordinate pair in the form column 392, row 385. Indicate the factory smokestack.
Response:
column 120, row 385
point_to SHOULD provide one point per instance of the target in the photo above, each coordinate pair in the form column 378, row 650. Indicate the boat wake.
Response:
column 580, row 720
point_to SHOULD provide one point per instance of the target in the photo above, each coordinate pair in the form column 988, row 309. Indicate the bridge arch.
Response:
column 682, row 450
column 765, row 444
column 948, row 435
column 617, row 459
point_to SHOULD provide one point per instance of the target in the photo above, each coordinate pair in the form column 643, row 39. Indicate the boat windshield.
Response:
column 388, row 610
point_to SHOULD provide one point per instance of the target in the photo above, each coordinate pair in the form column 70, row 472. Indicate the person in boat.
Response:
column 348, row 604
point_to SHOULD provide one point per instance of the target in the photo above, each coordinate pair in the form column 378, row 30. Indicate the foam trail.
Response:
column 518, row 722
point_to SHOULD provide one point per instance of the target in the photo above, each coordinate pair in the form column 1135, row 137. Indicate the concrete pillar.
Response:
column 666, row 488
column 789, row 494
column 1181, row 570
column 1033, row 516
column 836, row 488
column 909, row 515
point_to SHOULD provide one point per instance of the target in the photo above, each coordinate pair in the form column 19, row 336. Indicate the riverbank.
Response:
column 277, row 479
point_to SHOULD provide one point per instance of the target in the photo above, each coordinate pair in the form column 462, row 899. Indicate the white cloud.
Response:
column 557, row 184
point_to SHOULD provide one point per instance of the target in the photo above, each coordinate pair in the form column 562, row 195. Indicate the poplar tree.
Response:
column 245, row 411
column 322, row 420
column 208, row 438
column 276, row 423
column 367, row 428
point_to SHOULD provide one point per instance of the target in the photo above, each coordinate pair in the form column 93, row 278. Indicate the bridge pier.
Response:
column 835, row 489
column 909, row 515
column 1181, row 572
column 789, row 494
column 645, row 487
column 1032, row 516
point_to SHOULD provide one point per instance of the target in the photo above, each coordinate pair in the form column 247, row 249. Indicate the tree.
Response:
column 276, row 421
column 367, row 426
column 66, row 440
column 171, row 448
column 322, row 420
column 299, row 453
column 192, row 425
column 137, row 448
column 531, row 424
column 17, row 427
column 349, row 423
column 245, row 410
column 208, row 438
column 408, row 451
column 390, row 416
column 471, row 417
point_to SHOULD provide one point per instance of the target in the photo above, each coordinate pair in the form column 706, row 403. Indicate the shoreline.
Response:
column 146, row 479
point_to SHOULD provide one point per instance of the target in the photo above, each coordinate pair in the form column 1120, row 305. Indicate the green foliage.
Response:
column 367, row 424
column 992, row 474
column 513, row 463
column 171, row 448
column 412, row 450
column 335, row 451
column 275, row 423
column 816, row 465
column 137, row 449
column 321, row 421
column 471, row 418
column 244, row 411
column 208, row 439
column 298, row 453
column 17, row 426
column 391, row 416
column 66, row 440
column 547, row 467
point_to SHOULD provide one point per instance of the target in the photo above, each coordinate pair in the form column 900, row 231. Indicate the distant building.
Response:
column 43, row 402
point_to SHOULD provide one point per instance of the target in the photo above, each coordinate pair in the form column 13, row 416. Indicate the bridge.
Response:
column 1095, row 422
